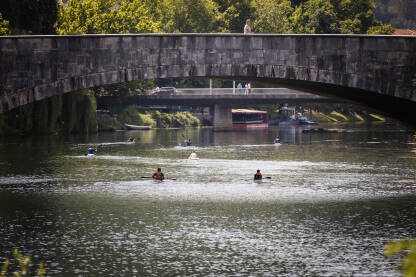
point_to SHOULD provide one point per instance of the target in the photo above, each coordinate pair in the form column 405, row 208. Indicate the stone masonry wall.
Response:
column 37, row 67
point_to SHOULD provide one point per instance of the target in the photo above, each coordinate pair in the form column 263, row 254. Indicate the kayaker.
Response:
column 158, row 175
column 193, row 155
column 258, row 176
column 91, row 150
column 189, row 142
column 131, row 139
column 277, row 140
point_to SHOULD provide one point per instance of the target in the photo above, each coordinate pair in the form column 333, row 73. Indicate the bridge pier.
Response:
column 223, row 119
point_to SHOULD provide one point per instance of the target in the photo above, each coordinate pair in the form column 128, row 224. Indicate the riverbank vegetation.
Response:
column 20, row 266
column 326, row 113
column 407, row 249
column 71, row 113
column 144, row 117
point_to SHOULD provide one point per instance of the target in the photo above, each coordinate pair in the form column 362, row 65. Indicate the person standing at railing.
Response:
column 247, row 27
column 246, row 89
column 239, row 87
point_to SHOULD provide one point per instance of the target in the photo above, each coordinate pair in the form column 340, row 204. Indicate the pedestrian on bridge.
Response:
column 247, row 27
column 246, row 89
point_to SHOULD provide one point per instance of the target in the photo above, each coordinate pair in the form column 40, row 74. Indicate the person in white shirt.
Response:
column 247, row 27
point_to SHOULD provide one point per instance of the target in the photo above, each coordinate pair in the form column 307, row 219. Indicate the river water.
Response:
column 333, row 201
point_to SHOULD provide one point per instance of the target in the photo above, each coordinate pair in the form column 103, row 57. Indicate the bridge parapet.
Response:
column 376, row 71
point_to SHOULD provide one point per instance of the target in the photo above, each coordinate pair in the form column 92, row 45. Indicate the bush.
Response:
column 185, row 119
column 130, row 115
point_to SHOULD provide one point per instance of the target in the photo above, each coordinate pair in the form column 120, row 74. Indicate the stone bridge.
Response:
column 375, row 71
column 209, row 97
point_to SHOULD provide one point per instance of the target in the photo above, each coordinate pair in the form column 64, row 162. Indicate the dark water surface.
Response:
column 332, row 202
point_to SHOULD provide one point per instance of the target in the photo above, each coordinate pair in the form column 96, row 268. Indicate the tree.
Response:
column 235, row 14
column 298, row 21
column 315, row 16
column 272, row 16
column 190, row 16
column 406, row 247
column 30, row 16
column 354, row 16
column 122, row 90
column 105, row 16
column 399, row 13
column 4, row 26
column 382, row 29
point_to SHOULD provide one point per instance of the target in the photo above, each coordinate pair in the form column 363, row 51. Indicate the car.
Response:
column 164, row 91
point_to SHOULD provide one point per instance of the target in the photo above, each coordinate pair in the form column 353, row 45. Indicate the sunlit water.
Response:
column 332, row 202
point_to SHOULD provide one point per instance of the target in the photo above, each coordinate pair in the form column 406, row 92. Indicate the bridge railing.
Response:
column 228, row 91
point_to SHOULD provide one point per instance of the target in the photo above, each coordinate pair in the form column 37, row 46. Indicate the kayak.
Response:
column 192, row 158
column 90, row 155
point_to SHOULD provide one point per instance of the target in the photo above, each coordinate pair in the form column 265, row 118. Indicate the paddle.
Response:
column 259, row 180
column 150, row 177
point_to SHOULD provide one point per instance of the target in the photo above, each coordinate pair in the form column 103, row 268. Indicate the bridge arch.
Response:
column 376, row 71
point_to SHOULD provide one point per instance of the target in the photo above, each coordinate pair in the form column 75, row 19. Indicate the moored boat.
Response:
column 289, row 117
column 137, row 127
column 245, row 118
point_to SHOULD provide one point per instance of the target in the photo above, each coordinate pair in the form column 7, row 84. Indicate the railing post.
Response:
column 210, row 86
column 233, row 86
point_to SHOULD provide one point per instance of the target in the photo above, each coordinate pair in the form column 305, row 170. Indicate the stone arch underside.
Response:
column 375, row 71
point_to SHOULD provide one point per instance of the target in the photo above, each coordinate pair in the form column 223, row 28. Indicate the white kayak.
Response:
column 90, row 155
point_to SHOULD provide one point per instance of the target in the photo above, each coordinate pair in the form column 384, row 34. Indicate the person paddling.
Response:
column 193, row 155
column 131, row 139
column 189, row 142
column 91, row 150
column 158, row 175
column 277, row 140
column 258, row 175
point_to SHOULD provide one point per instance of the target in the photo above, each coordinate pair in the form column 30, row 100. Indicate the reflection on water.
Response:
column 332, row 202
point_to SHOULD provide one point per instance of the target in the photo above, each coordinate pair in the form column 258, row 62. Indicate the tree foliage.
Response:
column 105, row 17
column 355, row 16
column 122, row 90
column 4, row 26
column 399, row 13
column 204, row 16
column 190, row 16
column 272, row 16
column 408, row 248
column 381, row 29
column 318, row 16
column 30, row 16
column 235, row 13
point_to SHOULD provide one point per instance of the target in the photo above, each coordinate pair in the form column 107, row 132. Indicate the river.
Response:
column 332, row 202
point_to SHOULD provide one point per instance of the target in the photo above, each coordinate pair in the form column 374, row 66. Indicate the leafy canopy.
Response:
column 204, row 16
column 4, row 26
column 408, row 248
column 105, row 17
